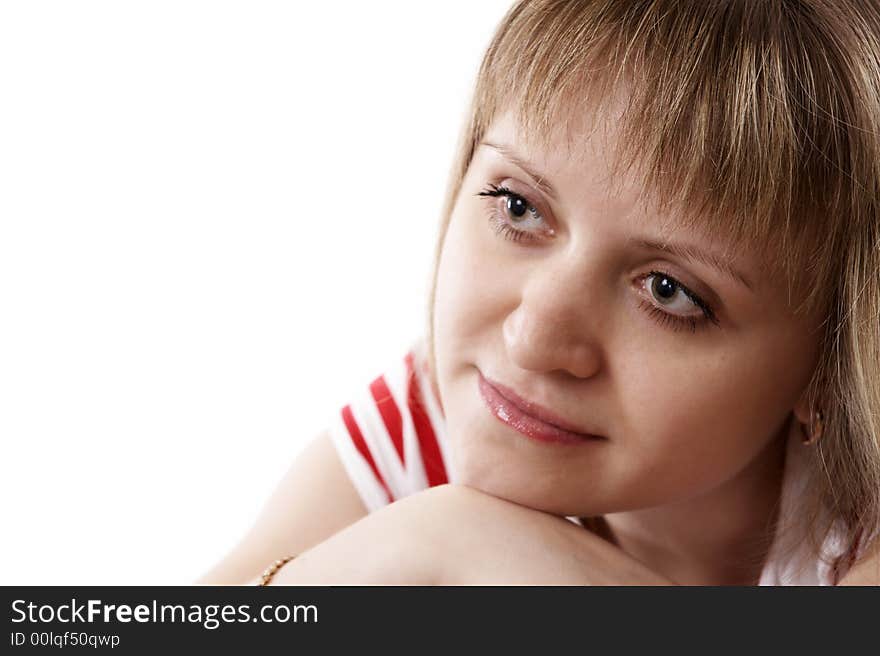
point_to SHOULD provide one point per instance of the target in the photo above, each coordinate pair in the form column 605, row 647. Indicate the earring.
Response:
column 817, row 424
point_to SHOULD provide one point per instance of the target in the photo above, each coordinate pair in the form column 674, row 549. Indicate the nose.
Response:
column 557, row 324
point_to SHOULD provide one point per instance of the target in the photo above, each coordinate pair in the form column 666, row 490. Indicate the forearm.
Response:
column 537, row 548
column 365, row 553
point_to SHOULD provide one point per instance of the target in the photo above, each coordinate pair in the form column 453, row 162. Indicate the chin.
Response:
column 488, row 476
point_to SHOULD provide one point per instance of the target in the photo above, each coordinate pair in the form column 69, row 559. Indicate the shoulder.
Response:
column 391, row 433
column 811, row 546
column 866, row 569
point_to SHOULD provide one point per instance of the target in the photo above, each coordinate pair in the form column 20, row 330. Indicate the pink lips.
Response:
column 526, row 417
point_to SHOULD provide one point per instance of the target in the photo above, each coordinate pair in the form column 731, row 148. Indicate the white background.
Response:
column 216, row 219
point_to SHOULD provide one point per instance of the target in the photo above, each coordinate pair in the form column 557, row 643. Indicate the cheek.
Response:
column 472, row 295
column 693, row 424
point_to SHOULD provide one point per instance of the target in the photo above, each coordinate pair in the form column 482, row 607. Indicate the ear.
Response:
column 803, row 409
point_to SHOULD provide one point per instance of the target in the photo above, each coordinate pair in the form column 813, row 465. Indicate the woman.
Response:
column 655, row 308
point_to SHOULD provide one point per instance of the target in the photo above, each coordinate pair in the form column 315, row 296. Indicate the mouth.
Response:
column 528, row 418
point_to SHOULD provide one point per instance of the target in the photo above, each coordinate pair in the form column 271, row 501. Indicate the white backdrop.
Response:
column 216, row 219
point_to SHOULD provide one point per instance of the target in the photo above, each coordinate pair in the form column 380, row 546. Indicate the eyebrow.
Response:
column 510, row 155
column 694, row 254
column 683, row 251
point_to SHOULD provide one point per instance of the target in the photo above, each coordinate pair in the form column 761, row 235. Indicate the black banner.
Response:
column 408, row 619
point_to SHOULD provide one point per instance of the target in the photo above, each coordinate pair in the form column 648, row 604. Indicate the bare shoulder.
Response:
column 314, row 500
column 866, row 570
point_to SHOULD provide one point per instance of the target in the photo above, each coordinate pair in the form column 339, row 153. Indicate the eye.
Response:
column 670, row 293
column 514, row 216
column 672, row 303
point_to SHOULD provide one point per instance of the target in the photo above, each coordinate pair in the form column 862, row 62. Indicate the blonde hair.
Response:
column 765, row 118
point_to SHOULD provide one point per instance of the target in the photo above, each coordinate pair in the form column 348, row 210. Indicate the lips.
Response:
column 529, row 418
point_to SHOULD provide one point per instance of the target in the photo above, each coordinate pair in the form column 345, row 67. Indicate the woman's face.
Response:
column 550, row 287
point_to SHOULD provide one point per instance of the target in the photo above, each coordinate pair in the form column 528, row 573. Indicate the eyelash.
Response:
column 673, row 321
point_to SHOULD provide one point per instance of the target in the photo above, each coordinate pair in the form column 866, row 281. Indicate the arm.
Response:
column 314, row 500
column 456, row 535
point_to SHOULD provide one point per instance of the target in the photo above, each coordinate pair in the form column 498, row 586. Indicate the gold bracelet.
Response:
column 272, row 569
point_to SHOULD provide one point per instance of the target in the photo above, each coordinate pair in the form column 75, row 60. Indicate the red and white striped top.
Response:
column 392, row 441
column 390, row 436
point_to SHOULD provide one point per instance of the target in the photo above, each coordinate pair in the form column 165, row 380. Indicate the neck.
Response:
column 719, row 538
